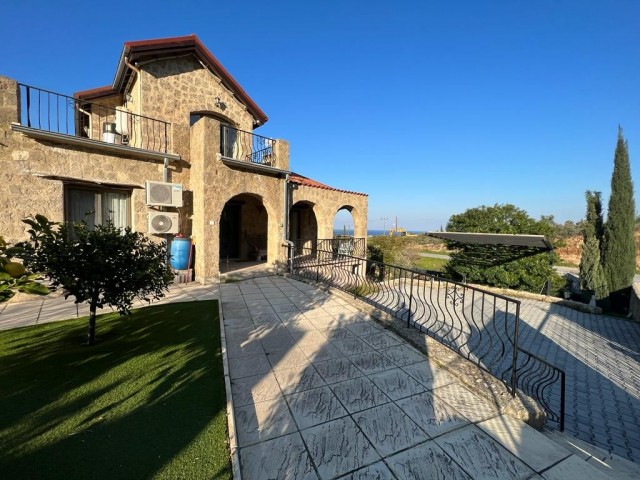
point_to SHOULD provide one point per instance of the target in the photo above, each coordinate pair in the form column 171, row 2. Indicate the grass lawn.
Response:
column 433, row 264
column 147, row 401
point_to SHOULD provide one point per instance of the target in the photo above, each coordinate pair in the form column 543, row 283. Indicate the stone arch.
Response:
column 246, row 223
column 303, row 225
column 350, row 218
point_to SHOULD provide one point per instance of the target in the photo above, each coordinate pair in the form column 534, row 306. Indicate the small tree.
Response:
column 101, row 266
column 14, row 277
column 591, row 272
column 619, row 248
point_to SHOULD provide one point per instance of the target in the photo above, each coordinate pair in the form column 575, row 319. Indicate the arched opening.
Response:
column 243, row 232
column 303, row 226
column 343, row 222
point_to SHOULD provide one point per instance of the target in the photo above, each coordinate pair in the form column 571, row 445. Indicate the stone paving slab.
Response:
column 356, row 401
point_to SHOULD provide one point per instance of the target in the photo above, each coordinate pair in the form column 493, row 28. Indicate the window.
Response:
column 97, row 205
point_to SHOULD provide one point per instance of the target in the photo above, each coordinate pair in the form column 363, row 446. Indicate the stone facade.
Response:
column 34, row 170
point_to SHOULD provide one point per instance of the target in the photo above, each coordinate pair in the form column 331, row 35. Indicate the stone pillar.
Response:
column 9, row 102
column 282, row 154
column 205, row 139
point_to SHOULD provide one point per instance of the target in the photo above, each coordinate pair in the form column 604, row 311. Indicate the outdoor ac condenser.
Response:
column 161, row 194
column 163, row 222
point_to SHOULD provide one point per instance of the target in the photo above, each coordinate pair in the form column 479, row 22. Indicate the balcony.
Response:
column 56, row 117
column 248, row 150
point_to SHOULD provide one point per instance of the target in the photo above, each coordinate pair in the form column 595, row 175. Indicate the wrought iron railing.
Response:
column 340, row 245
column 247, row 147
column 58, row 113
column 479, row 325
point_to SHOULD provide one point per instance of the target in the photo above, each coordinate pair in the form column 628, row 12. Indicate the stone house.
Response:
column 169, row 147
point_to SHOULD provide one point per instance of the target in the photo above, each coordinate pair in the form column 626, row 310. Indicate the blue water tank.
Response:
column 180, row 249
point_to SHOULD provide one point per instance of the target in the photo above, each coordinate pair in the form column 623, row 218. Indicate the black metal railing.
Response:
column 247, row 146
column 340, row 245
column 54, row 112
column 479, row 325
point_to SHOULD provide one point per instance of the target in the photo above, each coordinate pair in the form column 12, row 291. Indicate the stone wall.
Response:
column 326, row 204
column 31, row 173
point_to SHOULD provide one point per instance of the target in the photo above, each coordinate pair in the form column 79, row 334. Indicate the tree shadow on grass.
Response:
column 147, row 401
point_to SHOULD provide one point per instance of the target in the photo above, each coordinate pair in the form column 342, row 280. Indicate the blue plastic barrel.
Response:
column 180, row 249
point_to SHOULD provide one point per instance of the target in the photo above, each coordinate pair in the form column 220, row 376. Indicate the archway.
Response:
column 343, row 222
column 303, row 226
column 243, row 232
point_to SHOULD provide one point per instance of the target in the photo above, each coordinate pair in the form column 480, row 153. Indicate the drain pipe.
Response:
column 137, row 70
column 165, row 170
column 285, row 224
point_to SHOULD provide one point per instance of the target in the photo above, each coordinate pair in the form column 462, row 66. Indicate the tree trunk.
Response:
column 91, row 338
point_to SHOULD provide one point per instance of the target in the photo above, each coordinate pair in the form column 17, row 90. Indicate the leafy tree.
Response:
column 101, row 266
column 618, row 245
column 14, row 277
column 591, row 272
column 504, row 266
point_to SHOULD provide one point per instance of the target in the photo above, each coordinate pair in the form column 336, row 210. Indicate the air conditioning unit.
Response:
column 163, row 222
column 162, row 194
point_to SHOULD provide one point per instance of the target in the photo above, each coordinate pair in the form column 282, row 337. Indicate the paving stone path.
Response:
column 601, row 359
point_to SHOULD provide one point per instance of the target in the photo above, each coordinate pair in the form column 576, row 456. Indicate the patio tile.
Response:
column 382, row 340
column 290, row 358
column 248, row 366
column 304, row 338
column 240, row 333
column 425, row 462
column 267, row 319
column 481, row 456
column 467, row 403
column 275, row 342
column 396, row 384
column 315, row 313
column 573, row 468
column 431, row 414
column 429, row 375
column 243, row 348
column 338, row 446
column 540, row 452
column 337, row 370
column 337, row 333
column 291, row 316
column 359, row 394
column 351, row 346
column 279, row 300
column 364, row 328
column 389, row 429
column 371, row 362
column 255, row 389
column 261, row 421
column 288, row 307
column 326, row 321
column 315, row 406
column 298, row 379
column 402, row 355
column 299, row 325
column 320, row 352
column 377, row 471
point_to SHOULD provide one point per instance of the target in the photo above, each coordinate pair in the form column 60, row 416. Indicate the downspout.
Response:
column 137, row 70
column 285, row 233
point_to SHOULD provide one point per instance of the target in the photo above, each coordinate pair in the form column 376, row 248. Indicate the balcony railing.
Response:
column 340, row 245
column 57, row 113
column 479, row 325
column 247, row 147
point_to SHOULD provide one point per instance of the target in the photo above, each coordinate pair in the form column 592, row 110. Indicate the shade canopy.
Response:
column 537, row 242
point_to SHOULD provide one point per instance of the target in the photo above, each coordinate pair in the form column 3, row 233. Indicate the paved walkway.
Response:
column 600, row 356
column 321, row 391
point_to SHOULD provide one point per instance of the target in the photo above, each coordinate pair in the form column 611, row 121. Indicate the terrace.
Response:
column 60, row 118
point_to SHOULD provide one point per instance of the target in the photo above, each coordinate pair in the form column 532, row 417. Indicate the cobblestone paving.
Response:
column 601, row 359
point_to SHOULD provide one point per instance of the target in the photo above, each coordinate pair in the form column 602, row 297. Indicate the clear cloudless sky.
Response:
column 430, row 107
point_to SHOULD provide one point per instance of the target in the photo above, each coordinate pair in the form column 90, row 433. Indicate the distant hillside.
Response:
column 572, row 250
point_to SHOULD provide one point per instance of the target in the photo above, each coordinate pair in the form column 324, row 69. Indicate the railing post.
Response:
column 410, row 300
column 514, row 365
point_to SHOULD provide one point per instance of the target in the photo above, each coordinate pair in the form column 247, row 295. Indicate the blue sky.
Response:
column 430, row 107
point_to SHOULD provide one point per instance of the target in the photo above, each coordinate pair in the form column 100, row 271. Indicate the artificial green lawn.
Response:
column 147, row 401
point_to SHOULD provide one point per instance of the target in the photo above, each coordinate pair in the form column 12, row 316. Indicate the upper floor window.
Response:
column 98, row 205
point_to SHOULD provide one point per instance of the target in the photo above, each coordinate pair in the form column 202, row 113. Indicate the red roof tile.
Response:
column 307, row 182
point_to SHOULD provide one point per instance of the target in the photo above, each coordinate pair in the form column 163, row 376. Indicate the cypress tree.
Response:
column 591, row 272
column 619, row 248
